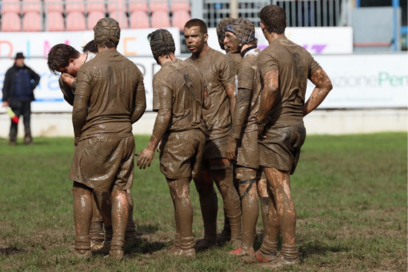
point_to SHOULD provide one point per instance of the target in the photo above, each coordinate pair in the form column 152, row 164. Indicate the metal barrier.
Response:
column 299, row 13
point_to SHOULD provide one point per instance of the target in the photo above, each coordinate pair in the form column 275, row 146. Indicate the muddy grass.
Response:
column 350, row 194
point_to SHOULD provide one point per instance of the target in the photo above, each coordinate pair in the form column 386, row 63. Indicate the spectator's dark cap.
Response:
column 19, row 55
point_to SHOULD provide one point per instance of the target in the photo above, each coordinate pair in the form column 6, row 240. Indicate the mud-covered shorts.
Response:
column 181, row 153
column 281, row 148
column 213, row 150
column 104, row 162
column 248, row 150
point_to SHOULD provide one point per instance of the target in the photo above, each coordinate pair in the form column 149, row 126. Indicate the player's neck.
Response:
column 273, row 36
column 166, row 58
column 82, row 58
column 206, row 48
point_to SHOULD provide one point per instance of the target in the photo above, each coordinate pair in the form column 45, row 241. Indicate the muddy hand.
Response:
column 261, row 132
column 232, row 148
column 68, row 79
column 145, row 158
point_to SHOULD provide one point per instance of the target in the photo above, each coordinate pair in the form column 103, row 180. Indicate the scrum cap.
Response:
column 107, row 30
column 243, row 29
column 221, row 30
column 161, row 42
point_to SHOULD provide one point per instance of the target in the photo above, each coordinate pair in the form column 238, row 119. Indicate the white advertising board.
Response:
column 317, row 40
column 366, row 80
column 48, row 94
column 133, row 42
column 359, row 81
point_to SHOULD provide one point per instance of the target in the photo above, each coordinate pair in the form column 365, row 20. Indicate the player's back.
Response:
column 113, row 80
column 295, row 66
column 187, row 87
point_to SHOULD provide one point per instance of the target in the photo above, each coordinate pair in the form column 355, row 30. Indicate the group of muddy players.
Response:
column 233, row 119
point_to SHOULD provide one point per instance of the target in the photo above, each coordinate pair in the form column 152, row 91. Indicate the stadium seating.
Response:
column 160, row 18
column 32, row 22
column 77, row 15
column 54, row 5
column 93, row 18
column 180, row 18
column 31, row 6
column 118, row 5
column 10, row 6
column 11, row 22
column 159, row 5
column 74, row 5
column 139, row 19
column 93, row 5
column 178, row 5
column 120, row 16
column 55, row 21
column 138, row 5
column 75, row 21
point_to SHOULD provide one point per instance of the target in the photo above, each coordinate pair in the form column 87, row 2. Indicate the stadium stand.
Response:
column 93, row 18
column 10, row 6
column 11, row 22
column 32, row 22
column 55, row 21
column 75, row 21
column 31, row 6
column 121, row 17
column 181, row 13
column 139, row 16
column 159, row 13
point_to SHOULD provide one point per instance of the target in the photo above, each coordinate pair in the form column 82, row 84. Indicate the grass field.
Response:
column 350, row 194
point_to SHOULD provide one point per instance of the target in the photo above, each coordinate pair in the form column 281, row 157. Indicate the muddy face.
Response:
column 195, row 40
column 231, row 42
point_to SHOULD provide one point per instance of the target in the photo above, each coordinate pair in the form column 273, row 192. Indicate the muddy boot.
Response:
column 130, row 234
column 204, row 244
column 241, row 252
column 225, row 234
column 107, row 243
column 96, row 234
column 259, row 257
column 83, row 247
column 175, row 249
column 289, row 256
column 187, row 247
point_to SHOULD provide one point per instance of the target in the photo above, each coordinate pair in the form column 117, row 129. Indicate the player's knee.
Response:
column 204, row 183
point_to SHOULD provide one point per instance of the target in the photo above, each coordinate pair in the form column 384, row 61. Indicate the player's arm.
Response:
column 323, row 86
column 81, row 102
column 140, row 102
column 164, row 106
column 245, row 81
column 268, row 98
column 66, row 91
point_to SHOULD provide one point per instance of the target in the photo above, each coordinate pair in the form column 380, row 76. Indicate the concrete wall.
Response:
column 333, row 122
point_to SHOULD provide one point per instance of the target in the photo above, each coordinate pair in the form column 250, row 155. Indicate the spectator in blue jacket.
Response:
column 18, row 92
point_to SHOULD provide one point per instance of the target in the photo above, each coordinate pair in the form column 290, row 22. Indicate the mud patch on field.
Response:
column 9, row 250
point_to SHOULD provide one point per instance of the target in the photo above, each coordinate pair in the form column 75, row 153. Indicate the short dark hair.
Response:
column 274, row 19
column 59, row 57
column 197, row 22
column 91, row 47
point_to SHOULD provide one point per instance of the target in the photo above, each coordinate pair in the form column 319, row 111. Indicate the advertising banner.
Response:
column 317, row 40
column 133, row 42
column 366, row 80
column 359, row 81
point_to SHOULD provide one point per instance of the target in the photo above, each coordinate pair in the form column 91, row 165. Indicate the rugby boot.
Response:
column 96, row 234
column 204, row 244
column 259, row 257
column 186, row 247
